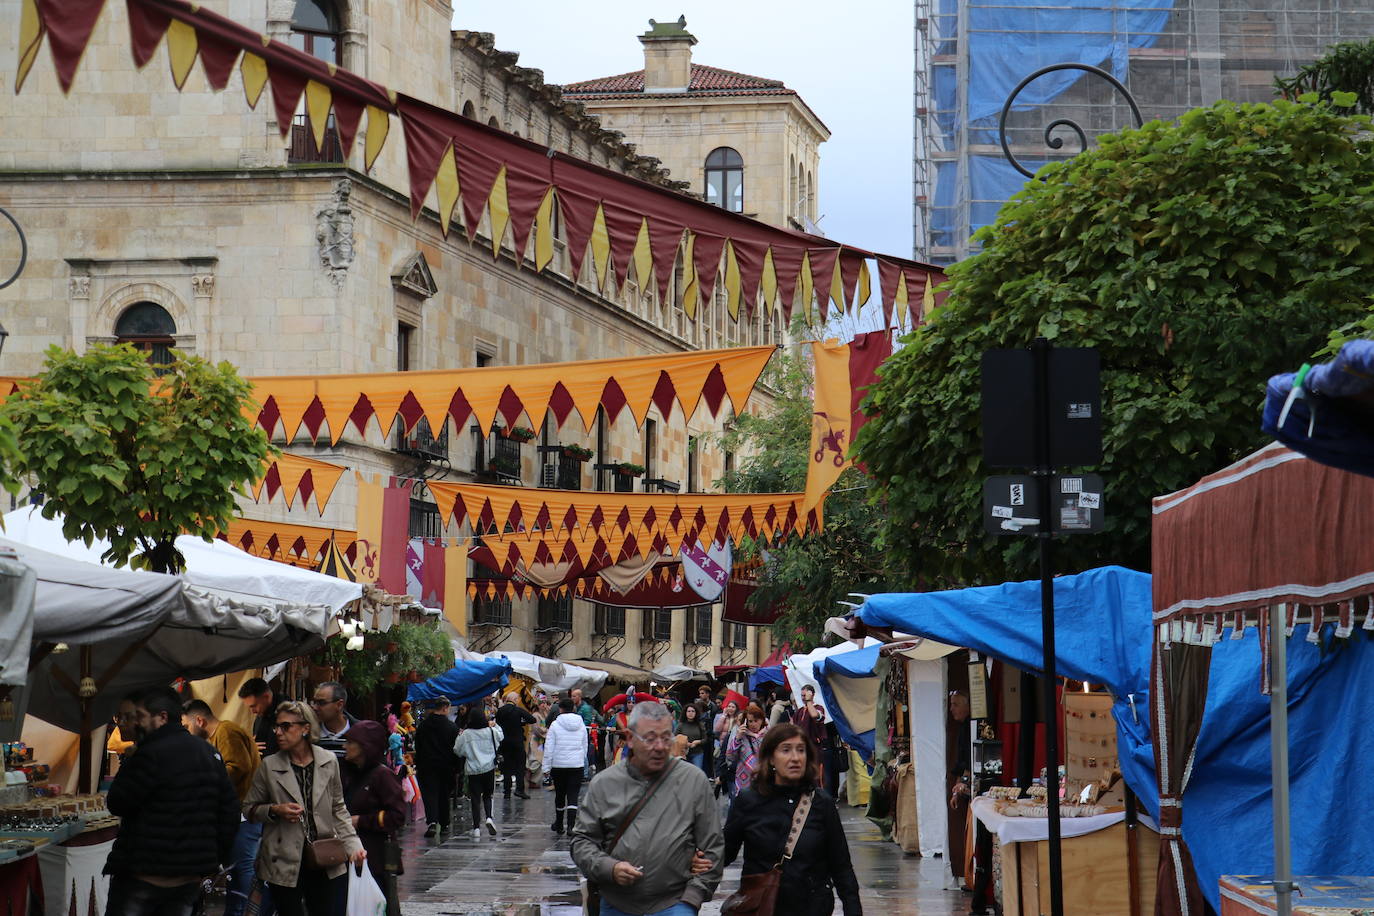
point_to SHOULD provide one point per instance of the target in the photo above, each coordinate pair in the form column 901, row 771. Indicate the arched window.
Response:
column 725, row 179
column 316, row 28
column 469, row 111
column 149, row 328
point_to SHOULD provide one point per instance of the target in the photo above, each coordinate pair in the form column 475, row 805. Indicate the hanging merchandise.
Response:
column 707, row 568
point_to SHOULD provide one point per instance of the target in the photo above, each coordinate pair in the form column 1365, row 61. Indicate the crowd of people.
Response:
column 284, row 810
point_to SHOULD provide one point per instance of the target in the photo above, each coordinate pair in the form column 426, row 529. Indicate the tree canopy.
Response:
column 134, row 458
column 807, row 575
column 1198, row 257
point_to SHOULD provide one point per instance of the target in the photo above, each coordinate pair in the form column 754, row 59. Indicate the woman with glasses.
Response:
column 298, row 798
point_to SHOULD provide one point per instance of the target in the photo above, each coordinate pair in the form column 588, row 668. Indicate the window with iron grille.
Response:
column 569, row 473
column 491, row 610
column 739, row 636
column 658, row 623
column 701, row 625
column 421, row 441
column 424, row 520
column 556, row 614
column 608, row 620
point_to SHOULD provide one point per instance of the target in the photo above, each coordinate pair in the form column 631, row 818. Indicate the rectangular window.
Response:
column 658, row 623
column 693, row 444
column 739, row 636
column 405, row 335
column 491, row 610
column 701, row 620
column 608, row 621
column 424, row 520
column 650, row 448
column 556, row 614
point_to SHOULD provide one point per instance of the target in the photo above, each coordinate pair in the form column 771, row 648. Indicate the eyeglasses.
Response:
column 283, row 726
column 653, row 740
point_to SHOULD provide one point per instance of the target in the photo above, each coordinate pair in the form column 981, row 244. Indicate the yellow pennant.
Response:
column 830, row 422
column 446, row 187
column 456, row 587
column 30, row 40
column 732, row 281
column 378, row 126
column 689, row 291
column 807, row 290
column 317, row 101
column 254, row 70
column 543, row 232
column 601, row 247
column 769, row 282
column 643, row 258
column 865, row 287
column 369, row 526
column 499, row 207
column 181, row 50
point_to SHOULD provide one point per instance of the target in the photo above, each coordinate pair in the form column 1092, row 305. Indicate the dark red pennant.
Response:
column 579, row 214
column 426, row 138
column 287, row 86
column 269, row 416
column 313, row 418
column 543, row 521
column 348, row 113
column 749, row 257
column 477, row 171
column 866, row 354
column 510, row 407
column 706, row 251
column 612, row 400
column 787, row 262
column 850, row 264
column 675, row 517
column 69, row 24
column 714, row 391
column 622, row 226
column 306, row 488
column 410, row 411
column 271, row 482
column 561, row 403
column 664, row 241
column 823, row 275
column 362, row 411
column 524, row 194
column 146, row 28
column 598, row 518
column 665, row 395
column 622, row 519
column 459, row 408
column 218, row 59
column 570, row 520
column 888, row 276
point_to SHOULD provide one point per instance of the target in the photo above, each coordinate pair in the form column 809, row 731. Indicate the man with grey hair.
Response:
column 648, row 833
column 328, row 703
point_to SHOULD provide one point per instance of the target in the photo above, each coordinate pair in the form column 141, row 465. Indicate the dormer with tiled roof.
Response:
column 683, row 112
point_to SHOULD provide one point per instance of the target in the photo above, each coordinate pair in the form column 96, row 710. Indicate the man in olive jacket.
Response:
column 650, row 868
column 179, row 815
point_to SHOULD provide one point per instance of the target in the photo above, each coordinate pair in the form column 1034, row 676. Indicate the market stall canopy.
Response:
column 468, row 681
column 213, row 565
column 138, row 630
column 1326, row 411
column 800, row 669
column 480, row 172
column 849, row 693
column 17, row 585
column 675, row 674
column 552, row 674
column 616, row 671
column 766, row 674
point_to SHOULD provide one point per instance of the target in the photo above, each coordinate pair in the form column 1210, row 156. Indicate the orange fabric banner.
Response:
column 456, row 587
column 298, row 474
column 831, row 419
column 368, row 564
column 283, row 541
column 662, row 379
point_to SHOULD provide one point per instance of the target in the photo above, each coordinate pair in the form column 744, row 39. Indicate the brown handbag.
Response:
column 758, row 894
column 325, row 852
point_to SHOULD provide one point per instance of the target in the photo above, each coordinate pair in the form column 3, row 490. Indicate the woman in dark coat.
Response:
column 372, row 792
column 761, row 818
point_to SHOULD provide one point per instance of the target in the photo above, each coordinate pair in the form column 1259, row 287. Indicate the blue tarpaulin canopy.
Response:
column 1104, row 633
column 1326, row 412
column 465, row 682
column 849, row 693
column 770, row 674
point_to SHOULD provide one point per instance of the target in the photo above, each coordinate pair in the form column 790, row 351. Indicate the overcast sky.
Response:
column 851, row 61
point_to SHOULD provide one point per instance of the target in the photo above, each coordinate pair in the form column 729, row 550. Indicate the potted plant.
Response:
column 505, row 464
column 577, row 452
column 630, row 469
column 518, row 433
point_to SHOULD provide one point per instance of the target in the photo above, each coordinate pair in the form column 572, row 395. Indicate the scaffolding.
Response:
column 1173, row 55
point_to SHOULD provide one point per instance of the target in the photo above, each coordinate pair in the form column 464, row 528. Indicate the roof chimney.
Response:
column 667, row 56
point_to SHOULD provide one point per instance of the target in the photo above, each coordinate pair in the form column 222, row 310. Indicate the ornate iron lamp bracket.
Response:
column 1051, row 141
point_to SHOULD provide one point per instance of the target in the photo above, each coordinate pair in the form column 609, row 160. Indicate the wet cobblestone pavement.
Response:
column 526, row 869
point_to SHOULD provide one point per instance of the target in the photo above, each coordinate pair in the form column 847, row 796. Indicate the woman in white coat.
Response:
column 565, row 753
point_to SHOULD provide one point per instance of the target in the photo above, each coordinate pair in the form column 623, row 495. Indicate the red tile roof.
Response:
column 704, row 81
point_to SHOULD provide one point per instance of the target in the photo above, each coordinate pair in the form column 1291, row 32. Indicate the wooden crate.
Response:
column 1095, row 874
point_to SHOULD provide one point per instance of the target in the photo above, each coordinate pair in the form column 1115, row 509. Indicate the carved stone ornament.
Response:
column 203, row 285
column 334, row 232
column 80, row 287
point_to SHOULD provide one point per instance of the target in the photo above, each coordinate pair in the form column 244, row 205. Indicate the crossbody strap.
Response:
column 639, row 806
column 798, row 822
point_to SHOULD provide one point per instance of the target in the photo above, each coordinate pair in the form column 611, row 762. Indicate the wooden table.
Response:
column 1322, row 895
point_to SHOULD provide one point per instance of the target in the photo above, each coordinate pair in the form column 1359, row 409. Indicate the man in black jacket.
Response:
column 179, row 815
column 513, row 719
column 435, row 763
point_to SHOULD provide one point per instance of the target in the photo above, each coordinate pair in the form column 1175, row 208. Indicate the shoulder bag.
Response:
column 591, row 894
column 758, row 894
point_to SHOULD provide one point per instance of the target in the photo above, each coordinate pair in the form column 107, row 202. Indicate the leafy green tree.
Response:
column 1199, row 258
column 1346, row 67
column 134, row 458
column 806, row 575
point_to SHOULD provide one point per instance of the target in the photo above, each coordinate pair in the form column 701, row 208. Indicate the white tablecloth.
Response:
column 73, row 873
column 1033, row 829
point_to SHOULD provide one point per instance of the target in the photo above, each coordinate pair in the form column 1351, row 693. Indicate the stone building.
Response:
column 742, row 142
column 185, row 219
